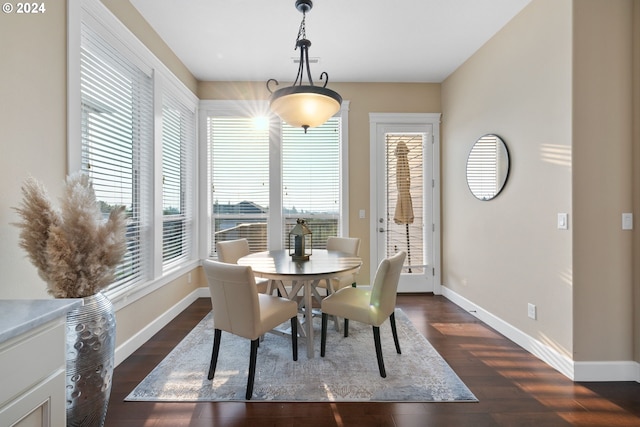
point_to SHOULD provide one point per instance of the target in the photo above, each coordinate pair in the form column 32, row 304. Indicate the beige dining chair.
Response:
column 348, row 245
column 230, row 251
column 371, row 306
column 240, row 310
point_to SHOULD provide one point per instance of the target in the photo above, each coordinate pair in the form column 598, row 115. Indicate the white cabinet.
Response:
column 32, row 362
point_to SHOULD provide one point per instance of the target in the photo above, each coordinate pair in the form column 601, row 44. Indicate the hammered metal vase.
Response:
column 91, row 337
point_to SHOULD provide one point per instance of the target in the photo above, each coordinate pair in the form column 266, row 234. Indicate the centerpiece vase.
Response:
column 91, row 333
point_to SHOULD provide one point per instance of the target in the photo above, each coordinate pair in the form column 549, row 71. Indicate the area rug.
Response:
column 347, row 373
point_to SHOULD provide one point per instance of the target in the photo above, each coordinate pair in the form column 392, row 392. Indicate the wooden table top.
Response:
column 278, row 264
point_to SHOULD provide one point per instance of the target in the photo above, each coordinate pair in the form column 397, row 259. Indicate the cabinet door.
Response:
column 41, row 406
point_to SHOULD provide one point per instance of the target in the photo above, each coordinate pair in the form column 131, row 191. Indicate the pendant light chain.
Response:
column 302, row 31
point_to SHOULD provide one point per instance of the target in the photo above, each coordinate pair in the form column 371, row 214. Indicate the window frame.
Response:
column 219, row 108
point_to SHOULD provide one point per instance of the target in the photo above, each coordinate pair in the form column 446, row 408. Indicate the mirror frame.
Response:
column 501, row 170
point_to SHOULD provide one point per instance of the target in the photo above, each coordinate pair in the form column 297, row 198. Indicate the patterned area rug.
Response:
column 348, row 372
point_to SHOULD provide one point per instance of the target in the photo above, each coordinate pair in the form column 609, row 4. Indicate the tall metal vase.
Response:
column 91, row 337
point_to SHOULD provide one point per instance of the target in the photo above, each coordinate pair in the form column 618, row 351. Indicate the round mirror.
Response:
column 487, row 167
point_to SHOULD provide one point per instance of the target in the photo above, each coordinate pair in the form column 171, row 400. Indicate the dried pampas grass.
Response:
column 74, row 249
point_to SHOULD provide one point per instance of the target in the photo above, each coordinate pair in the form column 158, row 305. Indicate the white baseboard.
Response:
column 607, row 371
column 132, row 344
column 576, row 371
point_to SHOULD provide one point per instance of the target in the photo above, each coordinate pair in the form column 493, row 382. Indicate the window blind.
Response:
column 178, row 142
column 311, row 179
column 117, row 139
column 239, row 168
column 482, row 168
column 400, row 235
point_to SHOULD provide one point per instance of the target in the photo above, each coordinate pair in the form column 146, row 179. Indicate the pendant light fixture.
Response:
column 304, row 105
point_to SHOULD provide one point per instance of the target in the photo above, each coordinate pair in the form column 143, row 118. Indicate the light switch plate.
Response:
column 563, row 221
column 627, row 221
column 532, row 311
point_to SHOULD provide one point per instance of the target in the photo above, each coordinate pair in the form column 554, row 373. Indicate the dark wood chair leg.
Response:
column 323, row 335
column 252, row 367
column 214, row 354
column 294, row 337
column 376, row 341
column 392, row 320
column 346, row 327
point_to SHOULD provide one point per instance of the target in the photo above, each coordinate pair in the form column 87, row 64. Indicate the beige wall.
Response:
column 556, row 84
column 636, row 175
column 602, row 179
column 506, row 253
column 132, row 318
column 364, row 98
column 33, row 128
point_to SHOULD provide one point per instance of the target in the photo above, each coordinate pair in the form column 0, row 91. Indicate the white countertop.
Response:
column 21, row 315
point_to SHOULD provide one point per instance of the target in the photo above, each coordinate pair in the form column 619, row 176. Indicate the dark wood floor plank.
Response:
column 514, row 388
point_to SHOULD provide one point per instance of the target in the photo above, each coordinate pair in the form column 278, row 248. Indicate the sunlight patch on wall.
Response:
column 567, row 276
column 556, row 154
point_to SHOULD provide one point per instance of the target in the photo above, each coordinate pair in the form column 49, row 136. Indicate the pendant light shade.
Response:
column 304, row 105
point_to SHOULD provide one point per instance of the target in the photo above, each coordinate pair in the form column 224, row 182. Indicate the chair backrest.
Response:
column 231, row 250
column 350, row 245
column 385, row 285
column 234, row 298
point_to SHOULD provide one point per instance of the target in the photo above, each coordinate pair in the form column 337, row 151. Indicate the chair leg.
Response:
column 392, row 320
column 376, row 341
column 214, row 354
column 323, row 335
column 346, row 327
column 294, row 337
column 252, row 367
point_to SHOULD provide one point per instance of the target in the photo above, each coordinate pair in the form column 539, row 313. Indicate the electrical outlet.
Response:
column 627, row 221
column 531, row 311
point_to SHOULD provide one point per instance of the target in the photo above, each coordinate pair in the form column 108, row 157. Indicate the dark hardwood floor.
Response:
column 514, row 388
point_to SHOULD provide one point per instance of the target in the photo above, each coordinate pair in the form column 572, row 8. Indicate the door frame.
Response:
column 377, row 123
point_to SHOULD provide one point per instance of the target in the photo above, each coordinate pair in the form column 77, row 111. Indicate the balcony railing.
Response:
column 254, row 229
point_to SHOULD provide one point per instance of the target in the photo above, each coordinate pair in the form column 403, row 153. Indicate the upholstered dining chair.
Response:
column 349, row 245
column 240, row 310
column 230, row 251
column 371, row 306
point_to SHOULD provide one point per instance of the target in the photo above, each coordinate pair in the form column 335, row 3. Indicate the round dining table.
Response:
column 302, row 276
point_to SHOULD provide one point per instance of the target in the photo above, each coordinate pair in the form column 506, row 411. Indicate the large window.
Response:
column 265, row 176
column 132, row 129
column 311, row 179
column 178, row 139
column 117, row 137
column 239, row 150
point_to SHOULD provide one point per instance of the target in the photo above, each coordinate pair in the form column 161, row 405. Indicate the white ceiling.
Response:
column 356, row 40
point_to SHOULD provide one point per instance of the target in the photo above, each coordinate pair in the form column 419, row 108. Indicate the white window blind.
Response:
column 178, row 140
column 402, row 234
column 311, row 180
column 239, row 168
column 117, row 138
column 482, row 168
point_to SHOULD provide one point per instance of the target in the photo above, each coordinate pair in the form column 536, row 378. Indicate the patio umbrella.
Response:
column 404, row 205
